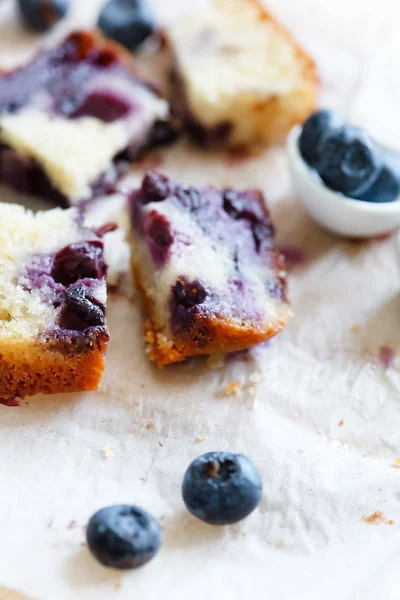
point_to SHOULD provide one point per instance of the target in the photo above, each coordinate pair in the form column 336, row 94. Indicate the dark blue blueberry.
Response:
column 81, row 310
column 221, row 488
column 188, row 293
column 155, row 187
column 349, row 161
column 385, row 189
column 78, row 261
column 314, row 129
column 128, row 22
column 123, row 536
column 41, row 15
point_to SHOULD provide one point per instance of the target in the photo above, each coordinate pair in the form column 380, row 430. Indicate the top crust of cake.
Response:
column 24, row 313
column 232, row 58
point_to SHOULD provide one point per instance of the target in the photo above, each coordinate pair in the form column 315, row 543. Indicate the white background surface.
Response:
column 307, row 539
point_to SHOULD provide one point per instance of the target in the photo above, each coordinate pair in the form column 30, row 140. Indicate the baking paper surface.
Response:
column 316, row 408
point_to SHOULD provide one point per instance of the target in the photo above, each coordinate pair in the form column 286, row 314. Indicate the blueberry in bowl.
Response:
column 128, row 22
column 386, row 188
column 123, row 536
column 346, row 159
column 314, row 129
column 372, row 211
column 221, row 488
column 349, row 162
column 41, row 15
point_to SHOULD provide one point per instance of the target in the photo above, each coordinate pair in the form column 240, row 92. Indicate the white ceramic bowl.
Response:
column 335, row 212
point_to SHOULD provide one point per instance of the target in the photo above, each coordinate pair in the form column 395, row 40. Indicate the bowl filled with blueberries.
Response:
column 348, row 182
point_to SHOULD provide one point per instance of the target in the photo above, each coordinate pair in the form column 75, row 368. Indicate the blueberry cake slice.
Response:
column 206, row 263
column 238, row 77
column 53, row 335
column 73, row 116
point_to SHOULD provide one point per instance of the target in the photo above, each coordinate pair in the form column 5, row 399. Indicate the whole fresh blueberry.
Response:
column 314, row 129
column 128, row 22
column 385, row 189
column 41, row 15
column 349, row 162
column 221, row 488
column 123, row 536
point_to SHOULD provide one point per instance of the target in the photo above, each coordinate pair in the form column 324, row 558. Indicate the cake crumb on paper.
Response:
column 279, row 544
column 341, row 423
column 149, row 426
column 396, row 463
column 216, row 361
column 144, row 479
column 355, row 328
column 376, row 518
column 201, row 438
column 231, row 389
column 107, row 451
column 117, row 585
column 252, row 389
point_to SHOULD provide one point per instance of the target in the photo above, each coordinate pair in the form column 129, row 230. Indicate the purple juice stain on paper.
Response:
column 294, row 255
column 386, row 356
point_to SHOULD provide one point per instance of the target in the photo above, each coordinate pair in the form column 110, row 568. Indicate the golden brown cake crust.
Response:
column 207, row 335
column 52, row 366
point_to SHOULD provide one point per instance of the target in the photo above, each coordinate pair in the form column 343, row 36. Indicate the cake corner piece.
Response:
column 53, row 335
column 239, row 79
column 207, row 267
column 84, row 97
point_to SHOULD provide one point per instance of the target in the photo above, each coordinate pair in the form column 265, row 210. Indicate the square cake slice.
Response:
column 238, row 78
column 73, row 116
column 53, row 335
column 205, row 261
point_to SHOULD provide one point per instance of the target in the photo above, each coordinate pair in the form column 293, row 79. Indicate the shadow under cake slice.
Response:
column 205, row 261
column 72, row 117
column 53, row 335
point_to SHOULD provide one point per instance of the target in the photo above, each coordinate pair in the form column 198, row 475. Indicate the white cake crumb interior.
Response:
column 228, row 58
column 23, row 314
column 195, row 256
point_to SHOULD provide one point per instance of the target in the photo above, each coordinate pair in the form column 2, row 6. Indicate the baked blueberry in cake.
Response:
column 206, row 263
column 53, row 335
column 238, row 77
column 73, row 116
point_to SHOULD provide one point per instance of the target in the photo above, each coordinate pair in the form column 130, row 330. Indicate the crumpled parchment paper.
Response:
column 317, row 409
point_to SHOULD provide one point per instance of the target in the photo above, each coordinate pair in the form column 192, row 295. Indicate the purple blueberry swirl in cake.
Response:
column 73, row 116
column 205, row 260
